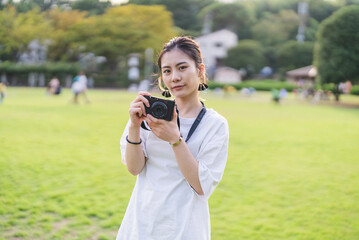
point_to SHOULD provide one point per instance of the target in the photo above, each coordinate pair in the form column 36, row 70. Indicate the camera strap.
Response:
column 196, row 122
column 193, row 127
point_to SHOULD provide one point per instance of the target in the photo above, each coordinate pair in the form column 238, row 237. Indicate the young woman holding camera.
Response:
column 179, row 162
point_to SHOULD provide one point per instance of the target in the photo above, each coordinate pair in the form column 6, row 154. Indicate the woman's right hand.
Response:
column 137, row 109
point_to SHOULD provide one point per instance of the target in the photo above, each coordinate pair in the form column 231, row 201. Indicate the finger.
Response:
column 148, row 121
column 153, row 119
column 139, row 98
column 141, row 102
column 144, row 100
column 144, row 93
column 140, row 105
column 174, row 115
column 136, row 111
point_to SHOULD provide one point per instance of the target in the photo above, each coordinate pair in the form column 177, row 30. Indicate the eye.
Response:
column 166, row 71
column 182, row 67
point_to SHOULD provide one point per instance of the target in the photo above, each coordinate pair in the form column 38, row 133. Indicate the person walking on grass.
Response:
column 79, row 87
column 177, row 166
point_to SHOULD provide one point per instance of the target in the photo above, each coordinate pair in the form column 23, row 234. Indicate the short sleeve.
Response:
column 212, row 158
column 123, row 142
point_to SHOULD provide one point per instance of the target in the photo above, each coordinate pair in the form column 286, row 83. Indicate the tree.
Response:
column 93, row 7
column 320, row 9
column 61, row 22
column 8, row 46
column 276, row 29
column 184, row 12
column 292, row 55
column 336, row 53
column 248, row 54
column 311, row 30
column 29, row 26
column 348, row 2
column 4, row 4
column 28, row 5
column 265, row 7
column 118, row 33
column 237, row 17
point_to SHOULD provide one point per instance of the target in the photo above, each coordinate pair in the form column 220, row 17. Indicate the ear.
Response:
column 201, row 70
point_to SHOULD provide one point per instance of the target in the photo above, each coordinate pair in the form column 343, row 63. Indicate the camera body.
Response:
column 160, row 108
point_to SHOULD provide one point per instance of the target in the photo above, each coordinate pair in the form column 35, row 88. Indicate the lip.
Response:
column 179, row 87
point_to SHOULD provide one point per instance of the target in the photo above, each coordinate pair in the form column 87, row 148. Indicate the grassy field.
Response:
column 292, row 172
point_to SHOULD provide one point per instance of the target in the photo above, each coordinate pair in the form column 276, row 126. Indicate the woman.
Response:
column 176, row 175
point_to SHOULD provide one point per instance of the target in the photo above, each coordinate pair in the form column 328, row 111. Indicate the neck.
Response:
column 189, row 108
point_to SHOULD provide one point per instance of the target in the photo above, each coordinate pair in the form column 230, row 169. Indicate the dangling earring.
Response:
column 202, row 87
column 166, row 93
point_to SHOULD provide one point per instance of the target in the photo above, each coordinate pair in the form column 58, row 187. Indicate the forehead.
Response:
column 175, row 56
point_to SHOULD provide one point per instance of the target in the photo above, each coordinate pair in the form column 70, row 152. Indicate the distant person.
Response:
column 318, row 96
column 79, row 87
column 76, row 88
column 341, row 87
column 229, row 90
column 2, row 92
column 252, row 90
column 283, row 93
column 54, row 87
column 245, row 92
column 177, row 171
column 275, row 95
column 348, row 87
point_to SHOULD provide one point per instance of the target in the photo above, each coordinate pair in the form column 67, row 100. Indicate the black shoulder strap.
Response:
column 196, row 122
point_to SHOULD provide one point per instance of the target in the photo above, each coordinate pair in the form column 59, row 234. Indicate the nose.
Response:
column 176, row 76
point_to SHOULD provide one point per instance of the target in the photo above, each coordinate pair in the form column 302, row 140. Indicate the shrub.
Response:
column 355, row 90
column 212, row 85
column 267, row 85
column 50, row 68
column 260, row 85
column 328, row 87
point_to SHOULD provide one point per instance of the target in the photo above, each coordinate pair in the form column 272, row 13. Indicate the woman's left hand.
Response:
column 165, row 130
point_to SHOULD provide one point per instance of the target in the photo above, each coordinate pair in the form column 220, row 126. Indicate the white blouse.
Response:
column 163, row 205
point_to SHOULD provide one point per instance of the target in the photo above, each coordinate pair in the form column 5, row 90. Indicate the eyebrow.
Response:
column 176, row 65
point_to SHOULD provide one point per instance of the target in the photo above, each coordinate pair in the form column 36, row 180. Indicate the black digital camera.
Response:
column 160, row 108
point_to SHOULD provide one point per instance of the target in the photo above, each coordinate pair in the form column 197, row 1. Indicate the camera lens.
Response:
column 159, row 109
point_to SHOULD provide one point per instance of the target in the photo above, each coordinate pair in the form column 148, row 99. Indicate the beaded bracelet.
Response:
column 135, row 143
column 178, row 142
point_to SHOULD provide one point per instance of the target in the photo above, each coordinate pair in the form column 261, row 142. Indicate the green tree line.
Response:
column 119, row 31
column 266, row 29
column 67, row 34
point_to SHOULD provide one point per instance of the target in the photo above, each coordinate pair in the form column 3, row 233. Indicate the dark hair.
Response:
column 186, row 45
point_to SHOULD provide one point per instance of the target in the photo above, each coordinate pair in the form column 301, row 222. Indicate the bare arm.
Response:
column 188, row 165
column 134, row 157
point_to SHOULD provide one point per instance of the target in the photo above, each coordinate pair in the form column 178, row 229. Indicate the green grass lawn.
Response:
column 292, row 171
